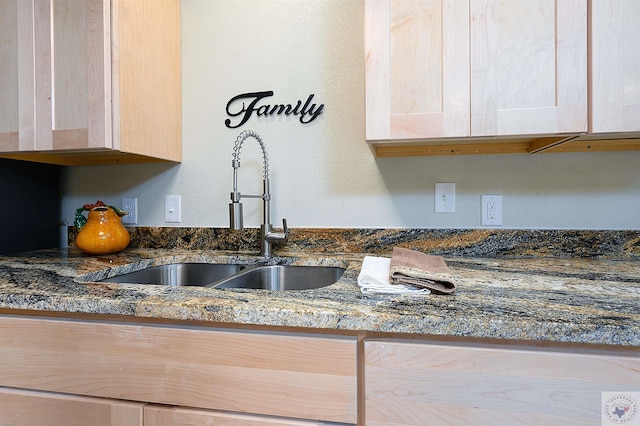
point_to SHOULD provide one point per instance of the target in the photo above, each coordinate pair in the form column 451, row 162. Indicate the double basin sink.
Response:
column 224, row 276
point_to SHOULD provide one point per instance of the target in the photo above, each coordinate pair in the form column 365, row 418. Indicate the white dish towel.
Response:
column 374, row 278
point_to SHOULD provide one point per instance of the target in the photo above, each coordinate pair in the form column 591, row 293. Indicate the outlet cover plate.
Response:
column 130, row 205
column 491, row 210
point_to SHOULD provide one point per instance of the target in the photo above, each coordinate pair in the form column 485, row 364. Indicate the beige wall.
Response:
column 323, row 174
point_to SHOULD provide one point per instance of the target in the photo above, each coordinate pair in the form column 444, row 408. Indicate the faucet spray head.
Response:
column 235, row 216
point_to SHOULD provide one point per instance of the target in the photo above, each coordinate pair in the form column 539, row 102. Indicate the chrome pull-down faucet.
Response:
column 267, row 235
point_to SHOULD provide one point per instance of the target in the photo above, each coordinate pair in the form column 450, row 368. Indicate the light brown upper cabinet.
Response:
column 90, row 81
column 478, row 76
column 501, row 76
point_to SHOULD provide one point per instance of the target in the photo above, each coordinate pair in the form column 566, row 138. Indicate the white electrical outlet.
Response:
column 172, row 209
column 130, row 205
column 445, row 198
column 492, row 210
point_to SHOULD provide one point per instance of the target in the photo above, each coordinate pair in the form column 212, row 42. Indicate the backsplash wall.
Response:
column 445, row 242
column 323, row 174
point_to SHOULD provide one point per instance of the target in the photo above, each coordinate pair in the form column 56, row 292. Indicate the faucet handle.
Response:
column 276, row 237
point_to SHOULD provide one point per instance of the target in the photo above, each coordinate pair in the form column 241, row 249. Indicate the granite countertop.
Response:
column 539, row 299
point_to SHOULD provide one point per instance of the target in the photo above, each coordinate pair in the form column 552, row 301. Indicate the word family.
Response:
column 307, row 111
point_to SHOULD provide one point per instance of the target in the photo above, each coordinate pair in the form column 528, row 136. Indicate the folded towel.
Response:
column 374, row 278
column 421, row 270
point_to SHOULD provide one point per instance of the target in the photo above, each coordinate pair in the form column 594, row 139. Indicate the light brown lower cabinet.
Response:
column 448, row 384
column 35, row 408
column 58, row 371
column 288, row 375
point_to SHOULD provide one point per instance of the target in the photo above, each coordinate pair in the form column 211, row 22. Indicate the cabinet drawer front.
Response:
column 43, row 408
column 415, row 383
column 276, row 374
column 174, row 416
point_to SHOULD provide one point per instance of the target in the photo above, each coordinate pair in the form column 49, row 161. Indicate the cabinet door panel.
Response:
column 86, row 82
column 17, row 117
column 42, row 85
column 55, row 71
column 81, row 74
column 418, row 383
column 615, row 66
column 9, row 75
column 417, row 83
column 70, row 65
column 528, row 67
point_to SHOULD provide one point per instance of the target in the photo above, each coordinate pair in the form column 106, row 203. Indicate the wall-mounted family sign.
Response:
column 244, row 105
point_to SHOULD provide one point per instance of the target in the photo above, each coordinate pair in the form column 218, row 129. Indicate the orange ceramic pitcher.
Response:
column 103, row 232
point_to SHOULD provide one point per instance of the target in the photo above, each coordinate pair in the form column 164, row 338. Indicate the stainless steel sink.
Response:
column 281, row 277
column 226, row 276
column 179, row 274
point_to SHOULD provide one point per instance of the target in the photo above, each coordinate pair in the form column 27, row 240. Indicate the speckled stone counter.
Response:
column 560, row 299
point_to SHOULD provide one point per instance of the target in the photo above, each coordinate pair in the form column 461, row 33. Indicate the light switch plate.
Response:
column 172, row 209
column 445, row 198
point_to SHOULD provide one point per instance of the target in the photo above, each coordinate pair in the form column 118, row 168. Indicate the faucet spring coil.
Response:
column 265, row 157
